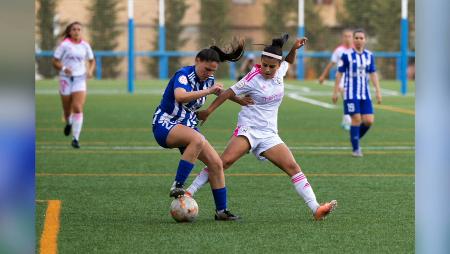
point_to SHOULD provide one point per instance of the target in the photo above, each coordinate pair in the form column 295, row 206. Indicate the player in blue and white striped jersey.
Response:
column 175, row 121
column 358, row 65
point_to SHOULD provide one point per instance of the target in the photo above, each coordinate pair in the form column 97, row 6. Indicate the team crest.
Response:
column 183, row 80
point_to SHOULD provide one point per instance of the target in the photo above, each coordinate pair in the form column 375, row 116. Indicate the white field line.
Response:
column 298, row 88
column 143, row 148
column 103, row 91
column 298, row 97
column 384, row 91
column 304, row 90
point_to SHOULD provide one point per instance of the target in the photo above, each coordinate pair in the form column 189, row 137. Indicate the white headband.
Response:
column 264, row 53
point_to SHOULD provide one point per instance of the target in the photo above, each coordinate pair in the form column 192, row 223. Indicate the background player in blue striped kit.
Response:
column 175, row 121
column 358, row 65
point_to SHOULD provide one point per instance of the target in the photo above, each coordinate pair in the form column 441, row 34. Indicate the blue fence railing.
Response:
column 167, row 54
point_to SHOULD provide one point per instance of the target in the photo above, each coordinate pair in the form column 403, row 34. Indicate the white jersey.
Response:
column 267, row 95
column 336, row 56
column 73, row 56
column 337, row 53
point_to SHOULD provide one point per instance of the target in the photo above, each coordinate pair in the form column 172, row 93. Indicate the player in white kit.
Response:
column 347, row 44
column 257, row 124
column 70, row 60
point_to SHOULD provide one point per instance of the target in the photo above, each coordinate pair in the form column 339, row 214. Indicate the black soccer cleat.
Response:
column 177, row 190
column 67, row 129
column 75, row 144
column 225, row 215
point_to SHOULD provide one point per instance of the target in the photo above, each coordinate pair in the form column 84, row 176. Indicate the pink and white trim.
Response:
column 298, row 178
column 256, row 70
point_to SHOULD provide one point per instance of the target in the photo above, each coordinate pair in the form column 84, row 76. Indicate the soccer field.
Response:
column 111, row 196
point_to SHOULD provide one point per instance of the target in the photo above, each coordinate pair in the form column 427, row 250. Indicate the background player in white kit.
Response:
column 257, row 124
column 347, row 43
column 70, row 60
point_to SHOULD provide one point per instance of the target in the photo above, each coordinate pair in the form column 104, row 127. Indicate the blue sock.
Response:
column 183, row 171
column 354, row 137
column 363, row 129
column 220, row 198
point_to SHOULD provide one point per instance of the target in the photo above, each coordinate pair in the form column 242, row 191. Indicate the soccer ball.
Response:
column 184, row 209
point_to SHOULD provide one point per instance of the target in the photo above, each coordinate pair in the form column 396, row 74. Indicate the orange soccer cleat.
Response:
column 325, row 209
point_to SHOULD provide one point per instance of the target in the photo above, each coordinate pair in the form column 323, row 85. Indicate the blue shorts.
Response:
column 363, row 107
column 161, row 130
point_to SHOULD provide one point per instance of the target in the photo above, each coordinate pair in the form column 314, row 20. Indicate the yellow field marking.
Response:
column 102, row 129
column 72, row 151
column 298, row 152
column 375, row 143
column 49, row 237
column 231, row 174
column 396, row 109
column 348, row 152
column 230, row 131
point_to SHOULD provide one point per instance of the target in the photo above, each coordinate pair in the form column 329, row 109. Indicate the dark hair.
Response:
column 359, row 30
column 217, row 54
column 277, row 45
column 66, row 33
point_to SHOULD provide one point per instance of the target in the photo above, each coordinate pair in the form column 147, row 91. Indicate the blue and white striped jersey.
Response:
column 356, row 68
column 170, row 110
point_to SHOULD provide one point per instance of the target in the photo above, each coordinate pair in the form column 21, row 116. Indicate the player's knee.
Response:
column 293, row 166
column 77, row 109
column 215, row 165
column 227, row 162
column 197, row 142
column 356, row 120
column 368, row 123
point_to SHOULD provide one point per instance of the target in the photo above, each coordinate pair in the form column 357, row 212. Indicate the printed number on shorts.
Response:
column 351, row 107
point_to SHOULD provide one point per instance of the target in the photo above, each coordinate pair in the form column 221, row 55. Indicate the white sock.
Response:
column 77, row 123
column 346, row 119
column 305, row 190
column 199, row 181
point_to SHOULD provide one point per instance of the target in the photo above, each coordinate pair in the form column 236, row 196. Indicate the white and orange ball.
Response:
column 184, row 209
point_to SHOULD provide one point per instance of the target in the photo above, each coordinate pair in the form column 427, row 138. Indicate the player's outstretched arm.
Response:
column 243, row 101
column 204, row 114
column 325, row 72
column 290, row 58
column 183, row 96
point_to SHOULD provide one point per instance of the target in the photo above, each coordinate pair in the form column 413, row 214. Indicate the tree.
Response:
column 104, row 32
column 214, row 28
column 281, row 17
column 381, row 20
column 174, row 13
column 47, row 40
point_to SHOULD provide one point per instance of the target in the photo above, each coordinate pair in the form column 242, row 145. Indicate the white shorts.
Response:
column 69, row 85
column 259, row 141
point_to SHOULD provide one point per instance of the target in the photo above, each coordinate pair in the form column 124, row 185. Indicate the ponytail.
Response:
column 276, row 49
column 217, row 54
